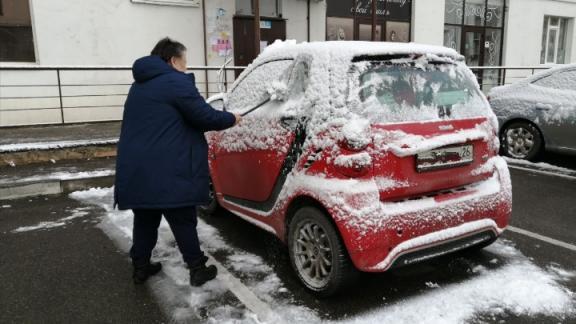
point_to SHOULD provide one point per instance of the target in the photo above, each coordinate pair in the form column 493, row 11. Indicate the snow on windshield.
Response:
column 405, row 90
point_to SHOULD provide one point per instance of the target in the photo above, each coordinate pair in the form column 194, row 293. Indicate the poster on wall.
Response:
column 339, row 28
column 397, row 31
column 219, row 32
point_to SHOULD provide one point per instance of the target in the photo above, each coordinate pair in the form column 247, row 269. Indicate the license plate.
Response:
column 446, row 157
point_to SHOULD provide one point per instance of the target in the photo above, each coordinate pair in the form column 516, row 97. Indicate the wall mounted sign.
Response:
column 394, row 9
column 265, row 24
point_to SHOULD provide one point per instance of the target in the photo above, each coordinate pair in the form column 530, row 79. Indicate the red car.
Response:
column 361, row 156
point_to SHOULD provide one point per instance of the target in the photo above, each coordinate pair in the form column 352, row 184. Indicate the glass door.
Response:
column 473, row 48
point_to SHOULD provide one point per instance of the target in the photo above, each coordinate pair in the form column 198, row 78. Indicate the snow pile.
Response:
column 6, row 206
column 76, row 213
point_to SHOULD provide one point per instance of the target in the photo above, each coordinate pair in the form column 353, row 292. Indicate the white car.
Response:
column 537, row 113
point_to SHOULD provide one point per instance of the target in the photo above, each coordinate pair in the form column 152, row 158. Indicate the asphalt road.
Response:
column 67, row 274
column 75, row 273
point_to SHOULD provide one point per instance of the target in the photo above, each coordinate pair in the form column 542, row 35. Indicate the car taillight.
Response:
column 353, row 165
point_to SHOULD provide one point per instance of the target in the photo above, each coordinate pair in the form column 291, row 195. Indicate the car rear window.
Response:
column 416, row 90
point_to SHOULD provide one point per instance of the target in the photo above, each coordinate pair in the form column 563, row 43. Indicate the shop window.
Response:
column 474, row 12
column 554, row 40
column 16, row 32
column 495, row 13
column 268, row 8
column 353, row 20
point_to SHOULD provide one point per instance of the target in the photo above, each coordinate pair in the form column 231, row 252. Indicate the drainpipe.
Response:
column 205, row 47
column 256, row 8
column 308, row 18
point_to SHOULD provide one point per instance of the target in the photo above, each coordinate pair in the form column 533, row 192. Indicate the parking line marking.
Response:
column 542, row 238
column 243, row 293
column 550, row 173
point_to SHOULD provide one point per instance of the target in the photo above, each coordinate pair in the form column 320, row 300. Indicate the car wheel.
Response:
column 212, row 207
column 318, row 254
column 521, row 140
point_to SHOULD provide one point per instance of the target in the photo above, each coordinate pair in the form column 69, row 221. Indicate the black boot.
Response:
column 143, row 270
column 200, row 273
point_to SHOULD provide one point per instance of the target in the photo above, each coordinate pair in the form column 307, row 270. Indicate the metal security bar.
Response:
column 31, row 95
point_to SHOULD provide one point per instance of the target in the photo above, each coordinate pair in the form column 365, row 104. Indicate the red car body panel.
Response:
column 406, row 209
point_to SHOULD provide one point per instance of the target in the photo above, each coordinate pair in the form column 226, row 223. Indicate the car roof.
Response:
column 552, row 70
column 348, row 50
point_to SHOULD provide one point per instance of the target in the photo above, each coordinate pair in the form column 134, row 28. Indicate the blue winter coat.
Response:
column 162, row 159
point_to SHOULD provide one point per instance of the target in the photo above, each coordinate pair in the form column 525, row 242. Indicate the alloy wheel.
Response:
column 313, row 254
column 520, row 142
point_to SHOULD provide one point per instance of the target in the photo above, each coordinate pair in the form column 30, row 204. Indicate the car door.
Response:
column 248, row 159
column 557, row 109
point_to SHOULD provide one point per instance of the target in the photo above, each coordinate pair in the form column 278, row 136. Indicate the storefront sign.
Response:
column 393, row 9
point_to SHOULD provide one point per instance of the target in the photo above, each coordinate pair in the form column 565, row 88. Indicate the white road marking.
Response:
column 550, row 173
column 243, row 293
column 542, row 238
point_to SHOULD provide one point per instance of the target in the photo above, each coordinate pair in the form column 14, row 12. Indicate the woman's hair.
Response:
column 167, row 49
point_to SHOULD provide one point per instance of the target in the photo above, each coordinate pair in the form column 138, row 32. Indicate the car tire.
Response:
column 212, row 208
column 521, row 140
column 317, row 253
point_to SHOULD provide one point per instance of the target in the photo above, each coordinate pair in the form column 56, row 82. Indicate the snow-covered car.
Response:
column 537, row 113
column 361, row 156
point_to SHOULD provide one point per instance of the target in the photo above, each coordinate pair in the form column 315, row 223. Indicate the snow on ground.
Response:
column 76, row 213
column 6, row 206
column 516, row 286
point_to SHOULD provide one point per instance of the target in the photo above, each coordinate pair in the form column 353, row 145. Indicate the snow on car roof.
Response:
column 351, row 49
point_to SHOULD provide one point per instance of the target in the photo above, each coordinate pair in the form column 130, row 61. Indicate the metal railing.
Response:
column 50, row 95
column 492, row 76
column 30, row 91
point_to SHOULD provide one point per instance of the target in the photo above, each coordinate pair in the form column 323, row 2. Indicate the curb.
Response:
column 10, row 158
column 52, row 187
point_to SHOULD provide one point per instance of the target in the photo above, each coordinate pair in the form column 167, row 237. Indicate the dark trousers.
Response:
column 183, row 223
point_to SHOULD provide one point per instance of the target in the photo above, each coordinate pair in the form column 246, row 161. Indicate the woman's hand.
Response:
column 238, row 119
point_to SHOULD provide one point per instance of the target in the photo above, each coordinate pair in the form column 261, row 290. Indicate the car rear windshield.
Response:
column 407, row 90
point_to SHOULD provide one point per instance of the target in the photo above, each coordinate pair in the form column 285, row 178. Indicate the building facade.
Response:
column 44, row 33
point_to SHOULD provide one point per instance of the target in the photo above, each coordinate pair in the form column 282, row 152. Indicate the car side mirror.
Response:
column 218, row 105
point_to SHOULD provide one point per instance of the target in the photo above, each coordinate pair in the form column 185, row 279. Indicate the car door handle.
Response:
column 543, row 107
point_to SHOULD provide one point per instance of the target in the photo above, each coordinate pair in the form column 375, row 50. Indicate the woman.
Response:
column 162, row 162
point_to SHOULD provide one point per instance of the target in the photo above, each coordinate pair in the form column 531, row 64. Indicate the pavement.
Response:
column 68, row 274
column 59, row 133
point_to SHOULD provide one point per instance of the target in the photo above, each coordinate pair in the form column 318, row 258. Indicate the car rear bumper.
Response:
column 416, row 230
